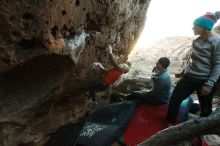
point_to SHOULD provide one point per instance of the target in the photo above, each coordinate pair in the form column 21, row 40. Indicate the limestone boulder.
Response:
column 46, row 51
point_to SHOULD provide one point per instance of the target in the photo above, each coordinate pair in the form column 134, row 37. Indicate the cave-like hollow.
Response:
column 33, row 82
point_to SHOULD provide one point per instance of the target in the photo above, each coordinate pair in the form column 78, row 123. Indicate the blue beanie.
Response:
column 208, row 20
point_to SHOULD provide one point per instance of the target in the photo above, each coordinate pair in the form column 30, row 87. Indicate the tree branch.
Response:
column 186, row 131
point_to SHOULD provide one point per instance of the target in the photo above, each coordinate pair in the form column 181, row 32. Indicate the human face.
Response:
column 159, row 66
column 198, row 30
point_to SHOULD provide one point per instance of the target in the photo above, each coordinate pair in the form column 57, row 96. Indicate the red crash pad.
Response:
column 148, row 120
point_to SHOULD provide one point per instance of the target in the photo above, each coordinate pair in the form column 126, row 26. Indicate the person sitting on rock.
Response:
column 109, row 77
column 161, row 91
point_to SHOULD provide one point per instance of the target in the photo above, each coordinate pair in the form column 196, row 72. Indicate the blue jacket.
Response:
column 162, row 86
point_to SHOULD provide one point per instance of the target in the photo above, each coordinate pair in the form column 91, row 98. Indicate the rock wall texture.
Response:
column 46, row 50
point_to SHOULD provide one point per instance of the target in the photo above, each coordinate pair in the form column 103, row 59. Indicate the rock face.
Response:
column 46, row 50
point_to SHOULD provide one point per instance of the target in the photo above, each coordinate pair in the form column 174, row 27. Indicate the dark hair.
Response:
column 164, row 61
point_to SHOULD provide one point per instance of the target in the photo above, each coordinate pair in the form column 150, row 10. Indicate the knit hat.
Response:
column 208, row 20
column 164, row 61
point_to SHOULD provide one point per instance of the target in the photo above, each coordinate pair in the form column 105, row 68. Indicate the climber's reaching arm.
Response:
column 112, row 61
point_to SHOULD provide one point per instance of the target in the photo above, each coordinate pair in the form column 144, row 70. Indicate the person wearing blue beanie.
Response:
column 202, row 73
column 208, row 20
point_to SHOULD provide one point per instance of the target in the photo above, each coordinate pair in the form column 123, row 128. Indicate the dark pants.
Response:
column 183, row 89
column 145, row 97
column 97, row 86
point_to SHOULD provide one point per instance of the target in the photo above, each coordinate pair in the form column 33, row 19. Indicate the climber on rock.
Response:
column 110, row 75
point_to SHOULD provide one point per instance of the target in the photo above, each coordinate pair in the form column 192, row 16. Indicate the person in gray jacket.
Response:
column 202, row 72
column 161, row 91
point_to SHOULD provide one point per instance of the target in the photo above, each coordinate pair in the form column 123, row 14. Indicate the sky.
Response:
column 173, row 18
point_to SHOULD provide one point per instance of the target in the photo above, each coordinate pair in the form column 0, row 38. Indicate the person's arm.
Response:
column 161, row 84
column 112, row 61
column 215, row 72
column 99, row 65
column 178, row 75
column 158, row 85
column 102, row 67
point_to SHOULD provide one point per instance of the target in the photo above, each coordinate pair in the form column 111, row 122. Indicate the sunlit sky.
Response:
column 173, row 18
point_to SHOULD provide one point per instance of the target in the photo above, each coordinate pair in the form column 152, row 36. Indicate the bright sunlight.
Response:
column 167, row 18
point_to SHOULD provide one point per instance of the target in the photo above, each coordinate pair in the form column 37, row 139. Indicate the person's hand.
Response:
column 206, row 90
column 178, row 75
column 95, row 65
column 110, row 49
